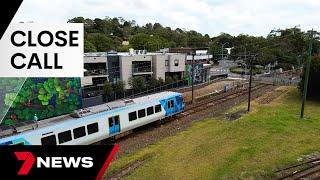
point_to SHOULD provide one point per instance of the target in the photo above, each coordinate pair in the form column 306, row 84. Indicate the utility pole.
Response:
column 250, row 82
column 306, row 79
column 192, row 95
column 245, row 60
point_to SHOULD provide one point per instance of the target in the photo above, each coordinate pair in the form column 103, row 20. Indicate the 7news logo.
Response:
column 41, row 162
column 51, row 162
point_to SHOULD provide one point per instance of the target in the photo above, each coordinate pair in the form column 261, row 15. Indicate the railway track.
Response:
column 210, row 102
column 306, row 170
column 151, row 133
column 192, row 109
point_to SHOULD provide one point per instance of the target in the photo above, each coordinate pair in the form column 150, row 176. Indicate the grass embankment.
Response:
column 269, row 137
column 238, row 70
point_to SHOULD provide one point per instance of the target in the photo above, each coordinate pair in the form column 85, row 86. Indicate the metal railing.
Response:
column 141, row 69
column 96, row 72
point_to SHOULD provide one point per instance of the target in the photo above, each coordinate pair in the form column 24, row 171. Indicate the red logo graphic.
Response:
column 108, row 161
column 28, row 159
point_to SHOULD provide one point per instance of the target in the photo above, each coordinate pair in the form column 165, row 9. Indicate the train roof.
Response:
column 30, row 125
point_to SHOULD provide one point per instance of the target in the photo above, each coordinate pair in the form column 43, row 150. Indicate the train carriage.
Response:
column 93, row 124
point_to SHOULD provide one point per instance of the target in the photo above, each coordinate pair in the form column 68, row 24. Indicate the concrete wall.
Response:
column 86, row 81
column 126, row 66
column 182, row 62
column 158, row 66
column 93, row 59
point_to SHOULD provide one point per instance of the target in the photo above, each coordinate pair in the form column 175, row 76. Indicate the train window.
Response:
column 170, row 104
column 110, row 122
column 64, row 137
column 49, row 140
column 157, row 108
column 150, row 110
column 92, row 128
column 132, row 116
column 79, row 132
column 141, row 113
column 116, row 120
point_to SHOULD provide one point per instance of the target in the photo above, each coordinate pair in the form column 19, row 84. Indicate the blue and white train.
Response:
column 93, row 124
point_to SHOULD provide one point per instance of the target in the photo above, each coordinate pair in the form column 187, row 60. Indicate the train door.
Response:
column 170, row 106
column 114, row 124
column 179, row 103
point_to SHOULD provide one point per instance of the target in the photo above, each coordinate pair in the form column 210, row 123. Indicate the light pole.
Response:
column 222, row 49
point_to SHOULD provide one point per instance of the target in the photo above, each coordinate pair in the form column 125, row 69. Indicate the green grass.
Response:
column 239, row 70
column 269, row 137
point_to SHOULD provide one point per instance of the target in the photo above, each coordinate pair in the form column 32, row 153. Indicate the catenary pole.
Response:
column 307, row 71
column 250, row 83
column 192, row 79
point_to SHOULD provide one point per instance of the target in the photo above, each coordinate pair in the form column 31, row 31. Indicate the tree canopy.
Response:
column 109, row 33
column 284, row 46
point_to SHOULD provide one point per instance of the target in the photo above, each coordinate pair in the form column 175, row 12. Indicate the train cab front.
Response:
column 173, row 105
column 180, row 103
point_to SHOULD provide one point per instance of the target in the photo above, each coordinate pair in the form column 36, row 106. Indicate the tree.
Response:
column 150, row 36
column 169, row 80
column 119, row 87
column 313, row 85
column 153, row 83
column 286, row 46
column 137, row 83
column 215, row 50
column 89, row 47
column 160, row 81
column 108, row 90
column 103, row 26
column 139, row 41
column 196, row 39
column 100, row 41
column 77, row 20
column 267, row 56
column 124, row 48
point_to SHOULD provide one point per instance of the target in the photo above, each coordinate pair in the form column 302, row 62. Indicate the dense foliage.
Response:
column 285, row 46
column 109, row 33
column 282, row 48
column 314, row 84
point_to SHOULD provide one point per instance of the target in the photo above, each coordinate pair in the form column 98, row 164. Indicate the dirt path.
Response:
column 209, row 89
